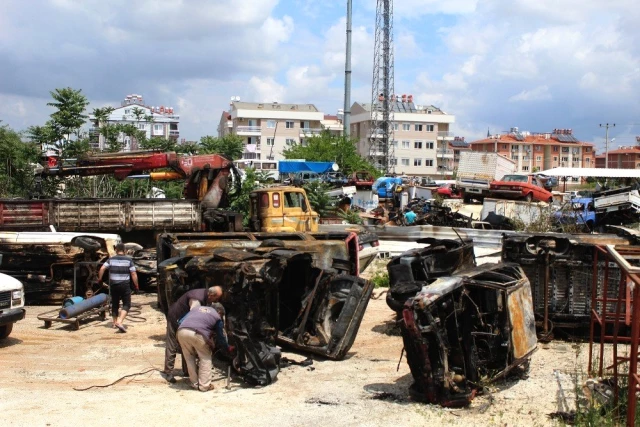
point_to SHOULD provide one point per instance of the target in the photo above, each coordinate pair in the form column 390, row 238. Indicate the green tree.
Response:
column 230, row 145
column 159, row 143
column 70, row 105
column 17, row 159
column 42, row 135
column 111, row 133
column 318, row 197
column 326, row 147
column 106, row 129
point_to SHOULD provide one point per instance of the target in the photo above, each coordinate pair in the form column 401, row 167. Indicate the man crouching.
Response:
column 195, row 337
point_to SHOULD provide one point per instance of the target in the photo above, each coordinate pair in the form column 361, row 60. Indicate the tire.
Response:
column 528, row 197
column 399, row 294
column 86, row 243
column 5, row 330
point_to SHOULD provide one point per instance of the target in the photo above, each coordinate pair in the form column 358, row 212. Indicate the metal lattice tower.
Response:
column 381, row 148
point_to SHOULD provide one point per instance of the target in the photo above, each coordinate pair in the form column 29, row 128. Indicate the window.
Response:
column 271, row 124
column 525, row 169
column 565, row 159
column 396, row 126
column 270, row 142
column 406, row 144
column 418, row 128
column 157, row 128
column 127, row 111
column 514, row 157
column 290, row 141
column 417, row 144
column 504, row 146
column 538, row 158
column 565, row 149
column 406, row 126
column 395, row 143
column 587, row 150
column 587, row 160
column 289, row 125
column 305, row 125
column 404, row 162
column 393, row 162
column 430, row 128
column 294, row 200
column 555, row 148
column 538, row 147
column 428, row 162
column 429, row 145
column 555, row 159
column 141, row 126
column 417, row 162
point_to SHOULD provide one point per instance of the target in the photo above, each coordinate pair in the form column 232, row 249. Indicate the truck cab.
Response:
column 11, row 304
column 278, row 209
column 581, row 211
column 384, row 186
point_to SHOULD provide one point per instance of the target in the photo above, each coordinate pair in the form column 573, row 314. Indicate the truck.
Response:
column 385, row 186
column 11, row 304
column 477, row 170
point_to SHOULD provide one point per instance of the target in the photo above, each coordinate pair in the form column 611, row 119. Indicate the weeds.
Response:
column 380, row 280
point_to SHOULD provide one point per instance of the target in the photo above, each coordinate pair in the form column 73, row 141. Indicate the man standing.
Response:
column 191, row 299
column 195, row 337
column 121, row 273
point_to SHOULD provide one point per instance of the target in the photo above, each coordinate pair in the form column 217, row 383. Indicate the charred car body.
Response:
column 274, row 295
column 463, row 326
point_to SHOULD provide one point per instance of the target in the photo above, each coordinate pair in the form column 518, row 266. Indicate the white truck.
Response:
column 477, row 170
column 11, row 304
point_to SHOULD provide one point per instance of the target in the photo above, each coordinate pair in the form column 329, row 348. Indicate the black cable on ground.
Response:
column 118, row 380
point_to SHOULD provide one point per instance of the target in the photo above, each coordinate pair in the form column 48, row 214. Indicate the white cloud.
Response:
column 266, row 90
column 540, row 93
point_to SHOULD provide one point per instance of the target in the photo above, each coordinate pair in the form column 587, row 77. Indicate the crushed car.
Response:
column 462, row 326
column 274, row 295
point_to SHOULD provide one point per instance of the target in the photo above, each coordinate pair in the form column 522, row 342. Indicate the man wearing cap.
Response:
column 195, row 335
column 122, row 272
column 177, row 311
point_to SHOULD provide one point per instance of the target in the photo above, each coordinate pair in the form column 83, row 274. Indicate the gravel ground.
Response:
column 39, row 369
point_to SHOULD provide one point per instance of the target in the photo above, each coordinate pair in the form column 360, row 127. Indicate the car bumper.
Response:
column 11, row 316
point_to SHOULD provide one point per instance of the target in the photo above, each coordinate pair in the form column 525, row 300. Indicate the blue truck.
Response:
column 385, row 185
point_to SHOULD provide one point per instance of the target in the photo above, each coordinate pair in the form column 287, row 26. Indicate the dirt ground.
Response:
column 39, row 369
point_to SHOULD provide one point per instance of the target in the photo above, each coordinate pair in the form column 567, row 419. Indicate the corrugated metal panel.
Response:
column 592, row 172
column 20, row 215
column 88, row 215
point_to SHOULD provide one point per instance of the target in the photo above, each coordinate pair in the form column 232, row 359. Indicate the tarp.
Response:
column 592, row 172
column 293, row 167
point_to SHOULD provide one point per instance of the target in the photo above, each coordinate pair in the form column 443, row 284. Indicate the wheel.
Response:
column 528, row 197
column 86, row 243
column 5, row 330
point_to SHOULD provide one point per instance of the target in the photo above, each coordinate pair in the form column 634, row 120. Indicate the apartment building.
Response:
column 270, row 128
column 421, row 137
column 155, row 121
column 534, row 152
column 621, row 158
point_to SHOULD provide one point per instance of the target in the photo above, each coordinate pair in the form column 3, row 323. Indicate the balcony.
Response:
column 229, row 123
column 249, row 130
column 444, row 154
column 174, row 133
column 307, row 132
column 445, row 136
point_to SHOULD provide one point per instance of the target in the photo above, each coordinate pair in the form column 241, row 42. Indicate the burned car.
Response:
column 409, row 271
column 274, row 295
column 468, row 329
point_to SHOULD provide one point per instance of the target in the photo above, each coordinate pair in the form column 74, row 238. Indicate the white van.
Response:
column 11, row 304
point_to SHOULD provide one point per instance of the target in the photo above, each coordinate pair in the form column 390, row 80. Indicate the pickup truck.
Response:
column 384, row 186
column 579, row 211
column 11, row 304
column 526, row 187
column 608, row 207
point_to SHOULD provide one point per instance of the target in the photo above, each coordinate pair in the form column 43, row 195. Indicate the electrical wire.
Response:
column 118, row 380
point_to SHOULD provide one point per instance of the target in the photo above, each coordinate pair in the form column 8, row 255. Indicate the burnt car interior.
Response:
column 274, row 295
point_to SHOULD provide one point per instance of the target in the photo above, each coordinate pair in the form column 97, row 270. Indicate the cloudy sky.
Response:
column 535, row 64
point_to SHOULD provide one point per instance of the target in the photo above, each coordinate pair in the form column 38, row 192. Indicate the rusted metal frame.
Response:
column 594, row 314
column 633, row 363
column 616, row 329
column 623, row 263
column 307, row 310
column 603, row 324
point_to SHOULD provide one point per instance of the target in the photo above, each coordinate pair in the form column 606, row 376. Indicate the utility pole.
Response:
column 346, row 121
column 606, row 142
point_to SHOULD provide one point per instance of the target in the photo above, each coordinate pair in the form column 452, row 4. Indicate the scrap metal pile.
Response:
column 427, row 212
column 462, row 326
column 274, row 295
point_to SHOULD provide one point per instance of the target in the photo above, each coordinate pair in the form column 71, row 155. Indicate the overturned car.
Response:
column 465, row 326
column 274, row 295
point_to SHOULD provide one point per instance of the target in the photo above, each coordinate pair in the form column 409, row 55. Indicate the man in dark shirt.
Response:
column 121, row 273
column 195, row 335
column 192, row 298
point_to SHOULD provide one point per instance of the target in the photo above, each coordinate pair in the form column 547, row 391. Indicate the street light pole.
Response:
column 606, row 142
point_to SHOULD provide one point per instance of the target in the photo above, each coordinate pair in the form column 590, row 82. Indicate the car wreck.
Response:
column 560, row 268
column 274, row 295
column 55, row 266
column 464, row 326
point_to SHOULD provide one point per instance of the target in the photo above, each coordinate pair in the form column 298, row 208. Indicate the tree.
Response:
column 104, row 128
column 159, row 143
column 230, row 145
column 16, row 160
column 331, row 148
column 70, row 105
column 42, row 135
